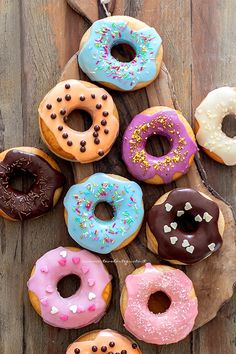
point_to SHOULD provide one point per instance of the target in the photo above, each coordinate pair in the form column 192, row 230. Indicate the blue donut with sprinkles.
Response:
column 94, row 234
column 96, row 60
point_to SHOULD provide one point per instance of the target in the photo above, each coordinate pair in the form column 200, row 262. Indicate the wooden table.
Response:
column 37, row 39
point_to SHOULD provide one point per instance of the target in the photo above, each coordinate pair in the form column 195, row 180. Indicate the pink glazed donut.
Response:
column 170, row 326
column 89, row 302
column 167, row 168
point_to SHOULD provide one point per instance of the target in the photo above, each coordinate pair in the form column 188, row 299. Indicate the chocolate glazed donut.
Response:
column 186, row 225
column 44, row 192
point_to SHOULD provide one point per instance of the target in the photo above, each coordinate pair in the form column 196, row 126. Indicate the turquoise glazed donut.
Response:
column 96, row 61
column 95, row 234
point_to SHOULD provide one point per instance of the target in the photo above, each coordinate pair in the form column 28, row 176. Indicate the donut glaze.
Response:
column 168, row 327
column 209, row 117
column 87, row 305
column 111, row 340
column 176, row 244
column 70, row 144
column 38, row 200
column 95, row 57
column 144, row 166
column 97, row 235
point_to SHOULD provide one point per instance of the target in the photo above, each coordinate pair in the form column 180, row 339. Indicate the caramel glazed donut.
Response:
column 104, row 341
column 67, row 143
column 184, row 226
column 43, row 193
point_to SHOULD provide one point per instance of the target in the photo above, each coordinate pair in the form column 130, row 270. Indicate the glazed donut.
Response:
column 96, row 60
column 170, row 326
column 103, row 341
column 164, row 169
column 67, row 143
column 184, row 226
column 97, row 235
column 209, row 116
column 44, row 192
column 87, row 305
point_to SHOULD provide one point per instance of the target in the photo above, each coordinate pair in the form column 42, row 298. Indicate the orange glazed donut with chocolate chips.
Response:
column 70, row 144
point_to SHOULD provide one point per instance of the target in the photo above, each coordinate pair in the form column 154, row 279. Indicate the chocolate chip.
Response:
column 98, row 106
column 67, row 86
column 123, row 352
column 67, row 97
column 77, row 351
column 105, row 114
column 94, row 349
column 63, row 111
column 104, row 97
column 104, row 122
column 106, row 131
column 95, row 134
column 65, row 119
column 69, row 143
column 65, row 135
column 103, row 348
column 83, row 149
column 59, row 99
column 82, row 98
column 53, row 115
column 96, row 128
column 134, row 346
column 112, row 344
column 93, row 95
column 83, row 143
column 49, row 106
column 100, row 152
column 97, row 141
column 60, row 128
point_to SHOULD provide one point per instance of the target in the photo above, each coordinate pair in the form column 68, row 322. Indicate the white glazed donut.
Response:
column 209, row 116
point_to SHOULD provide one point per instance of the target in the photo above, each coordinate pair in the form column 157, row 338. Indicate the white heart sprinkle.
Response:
column 198, row 218
column 73, row 308
column 187, row 206
column 54, row 310
column 173, row 240
column 167, row 228
column 185, row 243
column 211, row 246
column 190, row 249
column 180, row 212
column 207, row 217
column 174, row 225
column 63, row 254
column 91, row 296
column 168, row 206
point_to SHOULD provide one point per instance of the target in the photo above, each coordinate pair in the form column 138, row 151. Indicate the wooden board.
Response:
column 37, row 39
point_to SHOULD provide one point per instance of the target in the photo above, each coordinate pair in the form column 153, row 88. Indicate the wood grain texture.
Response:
column 37, row 39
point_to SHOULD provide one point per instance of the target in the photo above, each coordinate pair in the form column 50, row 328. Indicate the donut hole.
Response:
column 229, row 125
column 104, row 211
column 123, row 52
column 68, row 285
column 186, row 223
column 158, row 145
column 21, row 181
column 159, row 302
column 79, row 120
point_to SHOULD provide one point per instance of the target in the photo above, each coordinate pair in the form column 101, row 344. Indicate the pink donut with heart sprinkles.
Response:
column 87, row 305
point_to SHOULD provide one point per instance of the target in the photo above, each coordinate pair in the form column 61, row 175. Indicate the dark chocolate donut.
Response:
column 185, row 226
column 39, row 199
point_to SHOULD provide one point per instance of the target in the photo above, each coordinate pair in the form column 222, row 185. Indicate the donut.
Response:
column 125, row 198
column 43, row 193
column 96, row 60
column 167, row 168
column 103, row 341
column 170, row 326
column 184, row 226
column 209, row 116
column 70, row 144
column 90, row 301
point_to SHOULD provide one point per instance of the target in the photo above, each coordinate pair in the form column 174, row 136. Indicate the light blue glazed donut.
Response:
column 95, row 57
column 97, row 235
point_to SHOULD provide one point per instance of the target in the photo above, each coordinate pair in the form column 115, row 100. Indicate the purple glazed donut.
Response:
column 164, row 169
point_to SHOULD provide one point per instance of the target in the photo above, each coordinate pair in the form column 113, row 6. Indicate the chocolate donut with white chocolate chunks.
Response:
column 184, row 226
